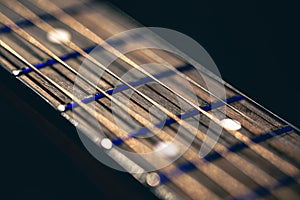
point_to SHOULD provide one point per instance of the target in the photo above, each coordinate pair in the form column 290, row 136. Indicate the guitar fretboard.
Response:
column 255, row 156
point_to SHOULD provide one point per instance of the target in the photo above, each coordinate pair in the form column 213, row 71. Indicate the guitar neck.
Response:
column 253, row 152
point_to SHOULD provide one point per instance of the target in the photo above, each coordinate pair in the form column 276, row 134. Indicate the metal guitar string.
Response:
column 76, row 102
column 99, row 116
column 17, row 7
column 68, row 19
column 240, row 188
column 48, row 17
column 72, row 23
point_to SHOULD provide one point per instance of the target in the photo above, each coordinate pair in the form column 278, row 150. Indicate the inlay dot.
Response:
column 231, row 124
column 153, row 179
column 106, row 143
column 166, row 149
column 59, row 36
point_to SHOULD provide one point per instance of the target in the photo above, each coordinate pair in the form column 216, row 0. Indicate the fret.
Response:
column 258, row 160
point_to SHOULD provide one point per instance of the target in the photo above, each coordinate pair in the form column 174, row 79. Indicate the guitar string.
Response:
column 47, row 17
column 219, row 80
column 228, row 186
column 48, row 28
column 56, row 85
column 26, row 13
column 80, row 28
column 117, row 140
column 103, row 120
column 189, row 79
column 29, row 38
column 202, row 192
column 74, row 10
column 57, row 12
column 67, row 19
column 27, row 23
column 30, row 15
column 137, row 116
column 184, row 76
column 144, row 124
column 97, row 96
column 23, row 11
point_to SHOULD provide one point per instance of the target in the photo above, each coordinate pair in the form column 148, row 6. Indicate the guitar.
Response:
column 255, row 156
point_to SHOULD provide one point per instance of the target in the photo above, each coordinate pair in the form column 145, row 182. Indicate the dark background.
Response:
column 254, row 44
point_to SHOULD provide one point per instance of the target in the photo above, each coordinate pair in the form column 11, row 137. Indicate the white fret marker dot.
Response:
column 16, row 72
column 231, row 124
column 61, row 108
column 106, row 143
column 153, row 179
column 166, row 149
column 59, row 36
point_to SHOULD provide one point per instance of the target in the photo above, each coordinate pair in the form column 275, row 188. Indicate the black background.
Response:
column 255, row 44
